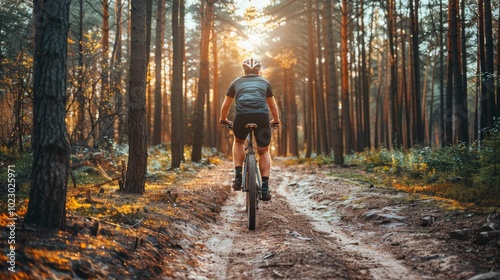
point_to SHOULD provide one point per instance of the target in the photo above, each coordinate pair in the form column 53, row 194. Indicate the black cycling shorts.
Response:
column 262, row 132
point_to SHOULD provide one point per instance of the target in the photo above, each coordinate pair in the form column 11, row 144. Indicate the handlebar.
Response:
column 228, row 124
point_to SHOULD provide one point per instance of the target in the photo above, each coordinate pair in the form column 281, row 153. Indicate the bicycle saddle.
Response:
column 251, row 125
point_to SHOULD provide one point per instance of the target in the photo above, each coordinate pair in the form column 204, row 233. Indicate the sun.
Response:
column 250, row 45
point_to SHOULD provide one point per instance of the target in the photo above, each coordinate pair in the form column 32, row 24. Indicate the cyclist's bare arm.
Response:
column 224, row 111
column 273, row 107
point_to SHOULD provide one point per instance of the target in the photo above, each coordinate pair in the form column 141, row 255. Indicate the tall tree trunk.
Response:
column 346, row 111
column 203, row 81
column 106, row 121
column 338, row 146
column 448, row 114
column 416, row 88
column 463, row 47
column 51, row 150
column 177, row 144
column 216, row 102
column 365, row 83
column 138, row 154
column 488, row 76
column 149, row 92
column 442, row 113
column 483, row 106
column 460, row 108
column 396, row 132
column 497, row 108
column 182, row 66
column 405, row 96
column 80, row 123
column 291, row 115
column 157, row 127
column 310, row 127
column 320, row 91
column 117, row 70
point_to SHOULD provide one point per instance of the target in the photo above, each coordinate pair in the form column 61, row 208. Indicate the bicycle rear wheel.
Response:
column 251, row 194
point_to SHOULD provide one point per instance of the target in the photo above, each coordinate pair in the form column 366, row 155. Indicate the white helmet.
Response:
column 251, row 65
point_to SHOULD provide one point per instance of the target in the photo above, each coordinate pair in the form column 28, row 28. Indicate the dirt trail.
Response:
column 318, row 226
column 292, row 241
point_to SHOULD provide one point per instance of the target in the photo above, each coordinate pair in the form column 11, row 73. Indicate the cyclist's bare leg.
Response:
column 265, row 169
column 264, row 161
column 238, row 152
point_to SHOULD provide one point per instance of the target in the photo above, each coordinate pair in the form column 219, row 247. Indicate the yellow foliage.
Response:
column 72, row 204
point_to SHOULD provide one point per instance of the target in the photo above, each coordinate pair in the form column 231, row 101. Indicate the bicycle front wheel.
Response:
column 251, row 194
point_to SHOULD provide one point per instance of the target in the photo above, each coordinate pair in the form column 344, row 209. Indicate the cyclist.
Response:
column 254, row 100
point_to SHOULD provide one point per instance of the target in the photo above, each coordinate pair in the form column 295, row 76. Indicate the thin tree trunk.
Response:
column 177, row 144
column 442, row 129
column 216, row 102
column 117, row 68
column 365, row 82
column 204, row 81
column 157, row 127
column 320, row 94
column 488, row 98
column 338, row 147
column 460, row 108
column 396, row 137
column 416, row 88
column 346, row 111
column 80, row 123
column 106, row 122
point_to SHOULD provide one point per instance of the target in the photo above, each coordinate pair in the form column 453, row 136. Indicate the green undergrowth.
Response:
column 465, row 173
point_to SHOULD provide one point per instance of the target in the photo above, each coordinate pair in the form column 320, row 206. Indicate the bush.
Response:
column 489, row 173
column 21, row 165
column 447, row 172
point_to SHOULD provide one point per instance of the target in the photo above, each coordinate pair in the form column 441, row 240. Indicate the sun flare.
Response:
column 250, row 45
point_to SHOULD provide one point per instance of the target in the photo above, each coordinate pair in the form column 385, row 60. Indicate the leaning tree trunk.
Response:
column 138, row 155
column 51, row 150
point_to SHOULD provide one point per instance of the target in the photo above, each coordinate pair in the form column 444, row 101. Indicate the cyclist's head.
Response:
column 251, row 66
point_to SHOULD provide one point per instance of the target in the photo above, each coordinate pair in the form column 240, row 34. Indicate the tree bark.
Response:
column 416, row 88
column 157, row 127
column 488, row 76
column 51, row 150
column 460, row 106
column 138, row 155
column 177, row 120
column 338, row 147
column 105, row 108
column 203, row 83
column 117, row 73
column 346, row 111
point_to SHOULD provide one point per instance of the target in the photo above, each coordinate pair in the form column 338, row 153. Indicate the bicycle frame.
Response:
column 251, row 177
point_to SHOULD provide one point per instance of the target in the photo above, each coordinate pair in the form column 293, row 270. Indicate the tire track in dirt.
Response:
column 372, row 262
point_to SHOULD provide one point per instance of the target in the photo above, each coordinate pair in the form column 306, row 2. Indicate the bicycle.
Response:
column 251, row 179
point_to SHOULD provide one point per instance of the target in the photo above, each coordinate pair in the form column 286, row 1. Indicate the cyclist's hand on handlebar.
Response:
column 226, row 122
column 274, row 123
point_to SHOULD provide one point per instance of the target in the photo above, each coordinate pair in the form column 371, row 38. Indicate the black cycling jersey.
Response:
column 250, row 93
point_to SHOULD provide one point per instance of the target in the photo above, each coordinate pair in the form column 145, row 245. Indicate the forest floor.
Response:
column 322, row 223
